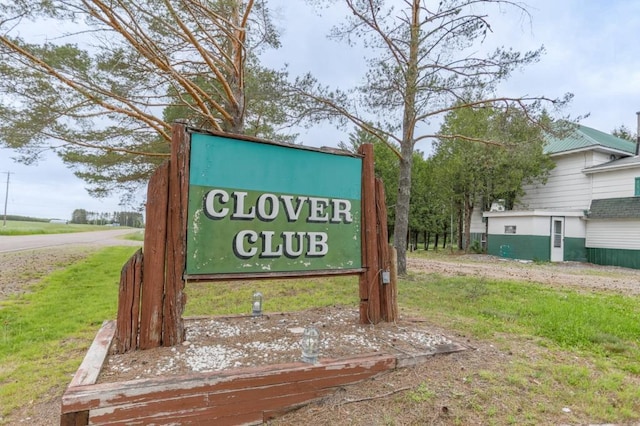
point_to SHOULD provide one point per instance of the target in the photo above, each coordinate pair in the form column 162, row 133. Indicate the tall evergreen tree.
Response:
column 103, row 90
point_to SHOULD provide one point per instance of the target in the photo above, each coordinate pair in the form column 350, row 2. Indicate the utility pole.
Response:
column 6, row 199
column 638, row 135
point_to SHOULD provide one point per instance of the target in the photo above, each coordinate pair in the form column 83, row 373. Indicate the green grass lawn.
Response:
column 45, row 333
column 591, row 339
column 15, row 227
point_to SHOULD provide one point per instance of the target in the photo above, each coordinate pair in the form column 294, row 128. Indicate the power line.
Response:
column 6, row 199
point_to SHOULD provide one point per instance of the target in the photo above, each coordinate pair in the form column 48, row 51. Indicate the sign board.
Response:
column 257, row 208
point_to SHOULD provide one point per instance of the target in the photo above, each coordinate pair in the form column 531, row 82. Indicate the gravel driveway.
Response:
column 26, row 259
column 101, row 238
column 572, row 274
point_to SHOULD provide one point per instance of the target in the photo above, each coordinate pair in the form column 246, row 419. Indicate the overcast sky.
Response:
column 592, row 51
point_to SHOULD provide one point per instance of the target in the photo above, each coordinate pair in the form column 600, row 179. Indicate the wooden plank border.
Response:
column 228, row 397
column 91, row 365
column 89, row 370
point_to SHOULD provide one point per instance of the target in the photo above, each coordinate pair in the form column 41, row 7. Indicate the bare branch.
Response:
column 461, row 137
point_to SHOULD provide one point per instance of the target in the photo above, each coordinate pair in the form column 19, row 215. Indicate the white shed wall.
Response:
column 575, row 227
column 525, row 225
column 538, row 223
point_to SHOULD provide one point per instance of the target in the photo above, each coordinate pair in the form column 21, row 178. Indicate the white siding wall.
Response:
column 615, row 184
column 525, row 225
column 619, row 234
column 566, row 188
column 599, row 158
column 538, row 223
column 575, row 227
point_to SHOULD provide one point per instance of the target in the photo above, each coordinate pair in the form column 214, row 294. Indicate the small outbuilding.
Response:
column 588, row 209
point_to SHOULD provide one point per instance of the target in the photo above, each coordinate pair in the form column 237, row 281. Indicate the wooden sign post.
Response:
column 229, row 207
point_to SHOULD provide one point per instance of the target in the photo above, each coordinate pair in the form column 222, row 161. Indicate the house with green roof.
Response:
column 588, row 209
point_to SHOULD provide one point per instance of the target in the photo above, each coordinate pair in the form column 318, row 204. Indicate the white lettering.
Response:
column 262, row 207
column 267, row 245
column 238, row 211
column 341, row 208
column 293, row 213
column 268, row 206
column 292, row 244
column 317, row 244
column 317, row 208
column 210, row 200
column 238, row 244
column 288, row 238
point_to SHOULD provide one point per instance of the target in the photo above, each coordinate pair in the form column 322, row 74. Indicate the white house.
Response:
column 589, row 209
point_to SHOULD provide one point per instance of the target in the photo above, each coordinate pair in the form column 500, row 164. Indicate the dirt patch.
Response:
column 22, row 269
column 578, row 275
column 447, row 389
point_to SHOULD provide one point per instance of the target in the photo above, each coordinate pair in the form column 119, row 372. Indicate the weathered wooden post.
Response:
column 387, row 259
column 155, row 248
column 174, row 299
column 369, row 279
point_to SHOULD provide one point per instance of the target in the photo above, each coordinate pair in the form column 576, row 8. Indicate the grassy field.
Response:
column 14, row 227
column 590, row 340
column 44, row 334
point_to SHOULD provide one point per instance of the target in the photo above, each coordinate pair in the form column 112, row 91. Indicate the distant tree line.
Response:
column 124, row 218
column 26, row 218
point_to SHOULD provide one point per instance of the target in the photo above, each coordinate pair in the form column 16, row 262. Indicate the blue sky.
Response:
column 592, row 50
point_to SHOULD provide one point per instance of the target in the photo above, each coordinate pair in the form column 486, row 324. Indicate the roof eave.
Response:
column 599, row 148
column 606, row 168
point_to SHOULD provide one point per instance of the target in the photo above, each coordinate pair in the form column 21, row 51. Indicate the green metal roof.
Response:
column 615, row 208
column 581, row 137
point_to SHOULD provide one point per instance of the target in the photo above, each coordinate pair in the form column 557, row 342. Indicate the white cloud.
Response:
column 46, row 190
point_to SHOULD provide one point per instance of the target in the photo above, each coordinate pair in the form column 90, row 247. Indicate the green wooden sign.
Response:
column 257, row 208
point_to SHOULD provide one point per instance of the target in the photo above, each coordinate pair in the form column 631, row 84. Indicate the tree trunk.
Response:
column 406, row 147
column 426, row 240
column 468, row 211
column 401, row 226
column 236, row 105
column 460, row 227
column 485, row 248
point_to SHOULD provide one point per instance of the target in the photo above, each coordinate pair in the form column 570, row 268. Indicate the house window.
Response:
column 637, row 193
column 509, row 229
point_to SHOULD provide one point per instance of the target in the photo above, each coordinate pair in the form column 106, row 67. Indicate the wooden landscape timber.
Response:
column 230, row 397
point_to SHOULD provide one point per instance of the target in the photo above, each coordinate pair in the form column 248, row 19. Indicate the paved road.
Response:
column 30, row 242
